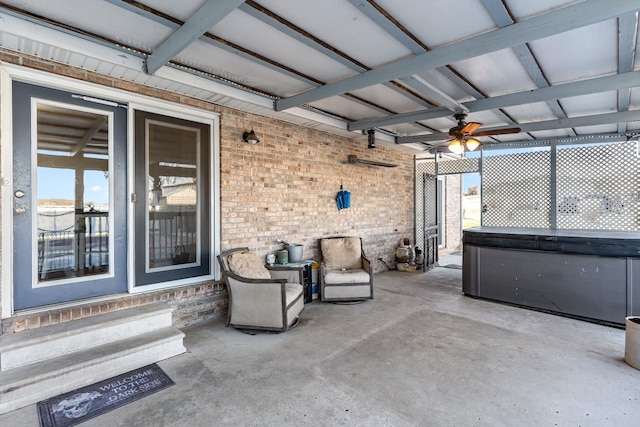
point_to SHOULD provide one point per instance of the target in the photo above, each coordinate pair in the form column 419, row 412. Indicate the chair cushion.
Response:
column 292, row 291
column 358, row 275
column 341, row 253
column 249, row 265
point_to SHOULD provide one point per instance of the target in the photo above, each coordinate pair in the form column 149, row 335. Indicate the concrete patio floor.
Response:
column 419, row 354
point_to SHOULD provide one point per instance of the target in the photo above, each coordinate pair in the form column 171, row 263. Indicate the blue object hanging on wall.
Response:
column 343, row 199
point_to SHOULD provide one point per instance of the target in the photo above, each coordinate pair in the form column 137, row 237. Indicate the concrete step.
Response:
column 32, row 383
column 52, row 341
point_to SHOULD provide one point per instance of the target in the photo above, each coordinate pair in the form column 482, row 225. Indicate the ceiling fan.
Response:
column 462, row 135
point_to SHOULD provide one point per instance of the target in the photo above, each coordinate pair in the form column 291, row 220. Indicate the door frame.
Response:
column 30, row 289
column 441, row 210
column 9, row 73
column 133, row 107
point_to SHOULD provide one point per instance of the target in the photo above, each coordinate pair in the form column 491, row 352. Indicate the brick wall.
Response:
column 192, row 305
column 453, row 219
column 284, row 187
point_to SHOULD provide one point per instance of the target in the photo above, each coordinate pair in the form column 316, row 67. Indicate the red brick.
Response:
column 55, row 316
column 33, row 322
column 19, row 325
column 45, row 319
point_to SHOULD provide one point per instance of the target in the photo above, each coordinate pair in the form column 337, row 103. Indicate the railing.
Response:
column 172, row 238
column 72, row 245
column 78, row 249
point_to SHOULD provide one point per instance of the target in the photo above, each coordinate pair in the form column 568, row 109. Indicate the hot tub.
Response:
column 594, row 275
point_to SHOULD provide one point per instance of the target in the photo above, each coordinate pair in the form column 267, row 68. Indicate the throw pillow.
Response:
column 249, row 265
column 341, row 253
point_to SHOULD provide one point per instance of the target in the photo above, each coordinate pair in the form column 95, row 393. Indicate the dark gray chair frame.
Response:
column 366, row 265
column 227, row 274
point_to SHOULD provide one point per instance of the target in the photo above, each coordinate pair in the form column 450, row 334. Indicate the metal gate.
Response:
column 427, row 212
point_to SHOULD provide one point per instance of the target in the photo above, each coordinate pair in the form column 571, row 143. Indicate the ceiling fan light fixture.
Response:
column 472, row 144
column 456, row 147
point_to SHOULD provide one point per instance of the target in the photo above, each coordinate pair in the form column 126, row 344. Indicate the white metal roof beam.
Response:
column 418, row 48
column 391, row 28
column 502, row 18
column 433, row 93
column 295, row 34
column 627, row 35
column 319, row 46
column 414, row 81
column 535, row 28
column 204, row 38
column 573, row 122
column 566, row 90
column 206, row 17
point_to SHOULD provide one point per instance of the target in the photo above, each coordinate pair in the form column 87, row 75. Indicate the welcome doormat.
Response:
column 77, row 406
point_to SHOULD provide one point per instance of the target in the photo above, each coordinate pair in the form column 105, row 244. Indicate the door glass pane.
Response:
column 73, row 193
column 173, row 194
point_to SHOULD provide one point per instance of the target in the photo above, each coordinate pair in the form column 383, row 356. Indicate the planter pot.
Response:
column 632, row 341
column 295, row 252
column 283, row 256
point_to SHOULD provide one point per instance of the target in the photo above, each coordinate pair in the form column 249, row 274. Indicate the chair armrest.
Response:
column 290, row 274
column 366, row 265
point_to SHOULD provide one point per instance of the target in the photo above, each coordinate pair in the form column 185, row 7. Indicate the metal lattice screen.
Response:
column 516, row 189
column 425, row 212
column 597, row 187
column 465, row 165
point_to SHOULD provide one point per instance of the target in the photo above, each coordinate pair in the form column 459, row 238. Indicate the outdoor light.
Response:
column 459, row 146
column 371, row 136
column 250, row 137
column 472, row 144
column 456, row 147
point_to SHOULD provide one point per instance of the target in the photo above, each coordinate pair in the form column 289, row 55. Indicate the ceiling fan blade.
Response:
column 497, row 132
column 470, row 127
column 446, row 142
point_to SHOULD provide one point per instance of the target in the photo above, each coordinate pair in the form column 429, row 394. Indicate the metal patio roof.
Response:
column 561, row 70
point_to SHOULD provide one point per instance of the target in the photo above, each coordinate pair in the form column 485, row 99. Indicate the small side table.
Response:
column 306, row 276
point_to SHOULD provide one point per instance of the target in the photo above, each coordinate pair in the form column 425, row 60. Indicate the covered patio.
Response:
column 141, row 139
column 419, row 354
